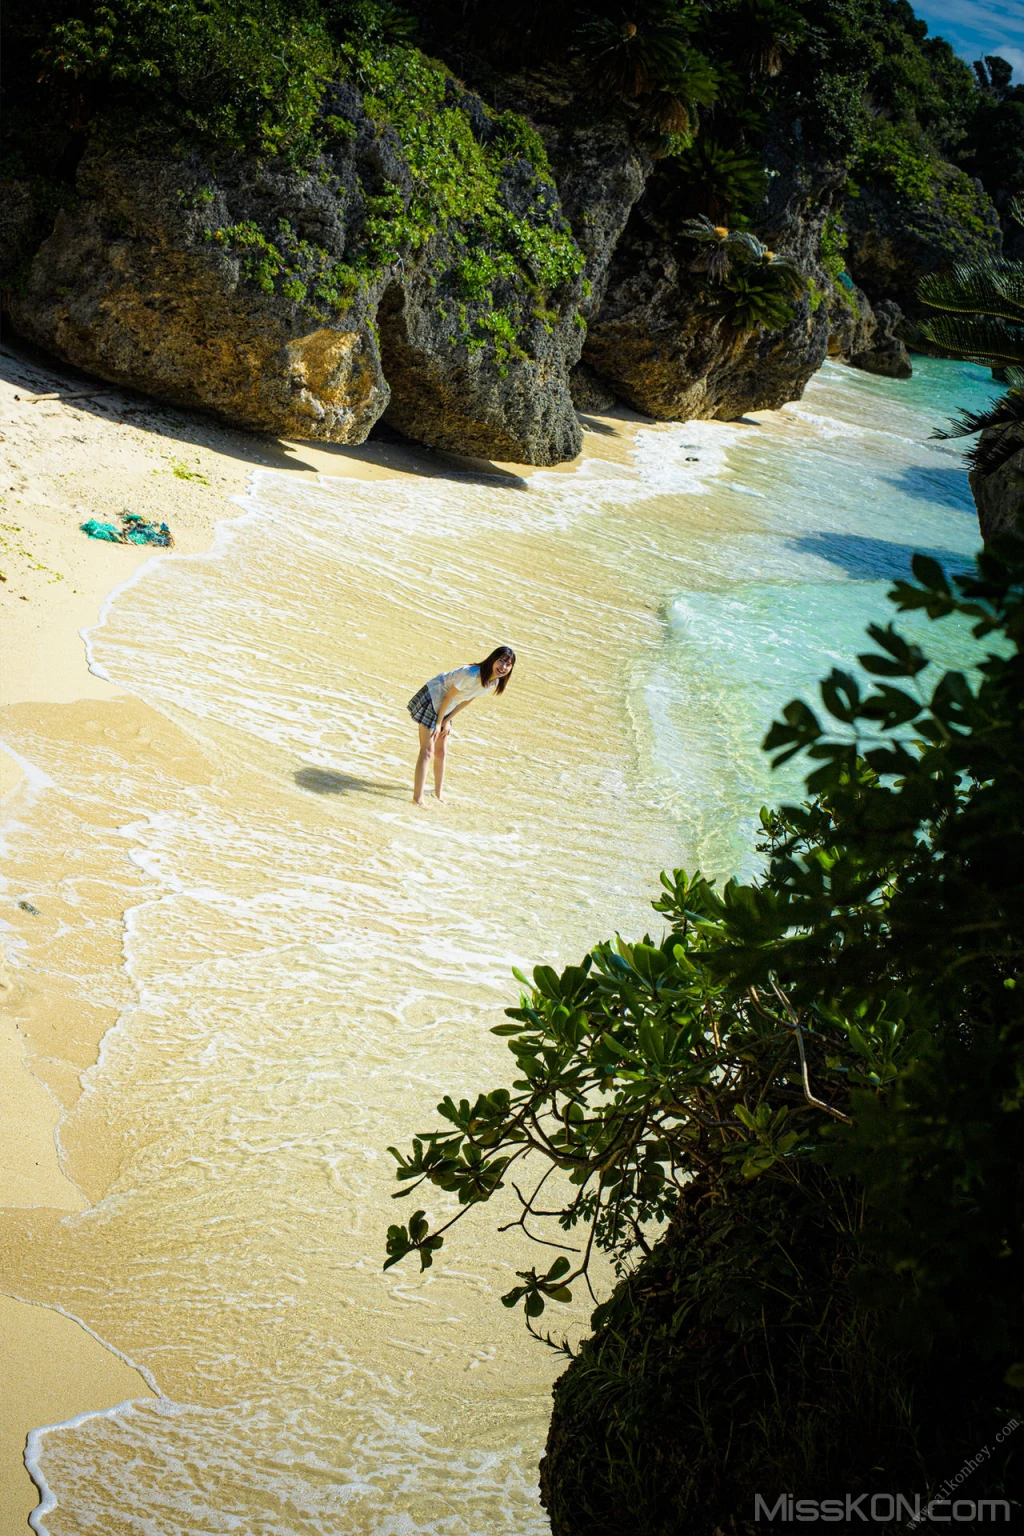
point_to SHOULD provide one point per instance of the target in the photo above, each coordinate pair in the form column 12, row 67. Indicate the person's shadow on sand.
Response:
column 328, row 781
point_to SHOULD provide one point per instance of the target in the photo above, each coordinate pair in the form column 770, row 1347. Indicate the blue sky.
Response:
column 977, row 27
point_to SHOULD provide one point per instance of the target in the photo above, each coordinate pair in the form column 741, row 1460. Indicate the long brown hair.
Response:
column 487, row 667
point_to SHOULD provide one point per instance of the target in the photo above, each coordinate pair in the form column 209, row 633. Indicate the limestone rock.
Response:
column 601, row 174
column 865, row 335
column 887, row 354
column 447, row 396
column 600, row 169
column 851, row 321
column 240, row 289
column 999, row 496
column 130, row 288
column 655, row 339
column 891, row 360
column 590, row 394
column 895, row 240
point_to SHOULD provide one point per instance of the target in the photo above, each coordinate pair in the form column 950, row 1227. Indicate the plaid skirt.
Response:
column 421, row 707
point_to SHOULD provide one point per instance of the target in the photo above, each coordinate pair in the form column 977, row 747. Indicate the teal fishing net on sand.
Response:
column 134, row 530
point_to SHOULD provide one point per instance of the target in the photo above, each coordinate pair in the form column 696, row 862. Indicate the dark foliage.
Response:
column 982, row 318
column 993, row 144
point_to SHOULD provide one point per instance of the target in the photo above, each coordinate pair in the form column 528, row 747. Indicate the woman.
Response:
column 438, row 701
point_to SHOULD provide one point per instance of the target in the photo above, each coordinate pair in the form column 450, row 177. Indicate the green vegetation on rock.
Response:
column 239, row 74
column 284, row 264
column 711, row 92
column 258, row 77
column 859, row 81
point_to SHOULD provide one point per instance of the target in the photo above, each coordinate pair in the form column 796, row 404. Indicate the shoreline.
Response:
column 58, row 587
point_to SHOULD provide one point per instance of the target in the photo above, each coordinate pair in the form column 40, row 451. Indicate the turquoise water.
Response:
column 845, row 492
column 313, row 963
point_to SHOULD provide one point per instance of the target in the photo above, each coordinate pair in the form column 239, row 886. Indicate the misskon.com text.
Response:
column 879, row 1509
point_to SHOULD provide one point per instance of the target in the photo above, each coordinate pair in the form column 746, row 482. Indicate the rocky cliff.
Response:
column 310, row 303
column 900, row 232
column 999, row 496
column 446, row 256
column 251, row 289
column 660, row 337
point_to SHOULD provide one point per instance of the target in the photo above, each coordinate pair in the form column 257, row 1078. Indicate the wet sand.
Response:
column 92, row 452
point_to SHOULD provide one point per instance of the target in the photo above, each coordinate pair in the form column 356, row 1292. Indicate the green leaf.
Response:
column 929, row 573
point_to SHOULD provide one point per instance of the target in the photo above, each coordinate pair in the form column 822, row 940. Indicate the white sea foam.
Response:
column 35, row 780
column 681, row 460
column 36, row 1437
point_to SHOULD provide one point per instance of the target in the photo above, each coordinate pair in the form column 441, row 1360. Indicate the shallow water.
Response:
column 310, row 963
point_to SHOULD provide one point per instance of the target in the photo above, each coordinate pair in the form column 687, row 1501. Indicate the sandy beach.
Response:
column 240, row 965
column 73, row 449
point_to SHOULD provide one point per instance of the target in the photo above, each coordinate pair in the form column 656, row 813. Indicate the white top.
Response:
column 465, row 679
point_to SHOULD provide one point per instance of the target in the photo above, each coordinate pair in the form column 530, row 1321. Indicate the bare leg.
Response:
column 440, row 755
column 420, row 777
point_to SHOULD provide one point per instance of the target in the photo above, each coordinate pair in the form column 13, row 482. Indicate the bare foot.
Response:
column 443, row 798
column 419, row 803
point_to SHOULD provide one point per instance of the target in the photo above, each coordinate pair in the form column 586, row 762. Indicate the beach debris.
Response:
column 135, row 529
column 26, row 906
column 181, row 471
column 57, row 394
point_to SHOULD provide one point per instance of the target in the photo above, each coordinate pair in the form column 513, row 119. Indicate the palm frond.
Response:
column 982, row 320
column 723, row 247
column 1003, row 426
column 702, row 228
column 786, row 275
column 994, row 288
column 992, row 452
column 1008, row 410
column 992, row 343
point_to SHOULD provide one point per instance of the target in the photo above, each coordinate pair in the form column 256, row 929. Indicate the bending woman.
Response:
column 437, row 702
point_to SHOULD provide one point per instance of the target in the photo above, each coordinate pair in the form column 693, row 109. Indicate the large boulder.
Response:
column 140, row 284
column 307, row 304
column 887, row 352
column 657, row 339
column 600, row 172
column 866, row 336
column 999, row 496
column 851, row 320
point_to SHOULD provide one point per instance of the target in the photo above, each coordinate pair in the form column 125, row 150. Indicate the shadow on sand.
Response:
column 29, row 368
column 328, row 781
